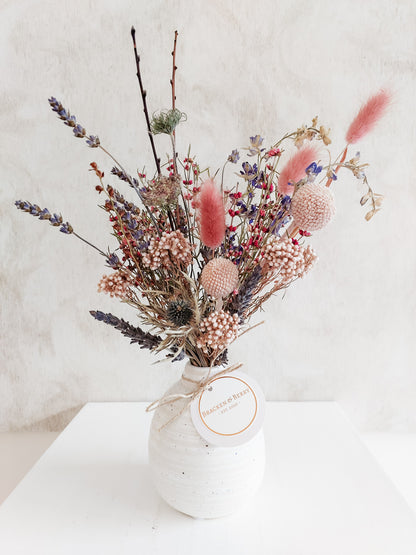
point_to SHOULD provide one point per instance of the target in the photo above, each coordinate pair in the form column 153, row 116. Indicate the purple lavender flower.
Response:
column 93, row 141
column 71, row 121
column 66, row 228
column 144, row 339
column 113, row 260
column 79, row 131
column 44, row 214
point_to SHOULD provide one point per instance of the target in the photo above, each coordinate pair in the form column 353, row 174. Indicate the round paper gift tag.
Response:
column 230, row 411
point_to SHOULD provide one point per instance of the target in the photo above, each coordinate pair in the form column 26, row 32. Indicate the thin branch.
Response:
column 174, row 68
column 144, row 93
column 172, row 83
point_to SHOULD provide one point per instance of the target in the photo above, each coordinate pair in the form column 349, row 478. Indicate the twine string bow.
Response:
column 201, row 386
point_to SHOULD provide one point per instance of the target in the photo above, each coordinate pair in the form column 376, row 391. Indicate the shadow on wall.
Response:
column 54, row 423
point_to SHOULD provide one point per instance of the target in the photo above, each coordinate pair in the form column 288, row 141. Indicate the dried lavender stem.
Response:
column 134, row 187
column 143, row 94
column 90, row 244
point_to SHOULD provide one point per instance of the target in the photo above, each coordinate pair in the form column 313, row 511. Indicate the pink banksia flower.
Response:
column 219, row 277
column 369, row 114
column 211, row 215
column 295, row 168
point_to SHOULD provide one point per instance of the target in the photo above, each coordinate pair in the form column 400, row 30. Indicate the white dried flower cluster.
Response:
column 172, row 248
column 287, row 259
column 217, row 331
column 116, row 284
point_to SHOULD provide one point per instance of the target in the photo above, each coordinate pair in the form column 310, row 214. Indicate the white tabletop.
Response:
column 323, row 493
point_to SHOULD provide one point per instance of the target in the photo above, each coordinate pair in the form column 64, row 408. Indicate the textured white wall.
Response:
column 347, row 332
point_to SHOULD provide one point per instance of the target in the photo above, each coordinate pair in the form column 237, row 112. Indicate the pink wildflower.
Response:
column 274, row 152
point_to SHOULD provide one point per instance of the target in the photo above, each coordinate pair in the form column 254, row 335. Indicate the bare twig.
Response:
column 172, row 83
column 174, row 68
column 144, row 94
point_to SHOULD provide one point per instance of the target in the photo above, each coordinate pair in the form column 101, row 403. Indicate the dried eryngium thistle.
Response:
column 179, row 312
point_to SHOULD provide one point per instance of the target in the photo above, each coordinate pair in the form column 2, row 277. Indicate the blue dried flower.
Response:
column 234, row 157
column 255, row 144
column 313, row 169
column 250, row 174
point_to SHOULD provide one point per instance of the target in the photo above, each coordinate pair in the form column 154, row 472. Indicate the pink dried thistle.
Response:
column 295, row 168
column 313, row 207
column 211, row 215
column 369, row 114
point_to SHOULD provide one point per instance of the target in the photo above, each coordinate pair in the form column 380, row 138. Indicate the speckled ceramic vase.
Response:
column 197, row 478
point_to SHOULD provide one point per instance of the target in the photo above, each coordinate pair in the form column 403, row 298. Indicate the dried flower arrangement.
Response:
column 199, row 257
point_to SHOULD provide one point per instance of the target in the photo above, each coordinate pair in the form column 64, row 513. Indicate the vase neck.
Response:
column 196, row 374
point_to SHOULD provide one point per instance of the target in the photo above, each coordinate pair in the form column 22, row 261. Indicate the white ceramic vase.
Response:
column 197, row 478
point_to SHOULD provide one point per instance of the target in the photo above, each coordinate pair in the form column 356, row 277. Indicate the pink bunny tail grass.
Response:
column 211, row 215
column 295, row 168
column 368, row 116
